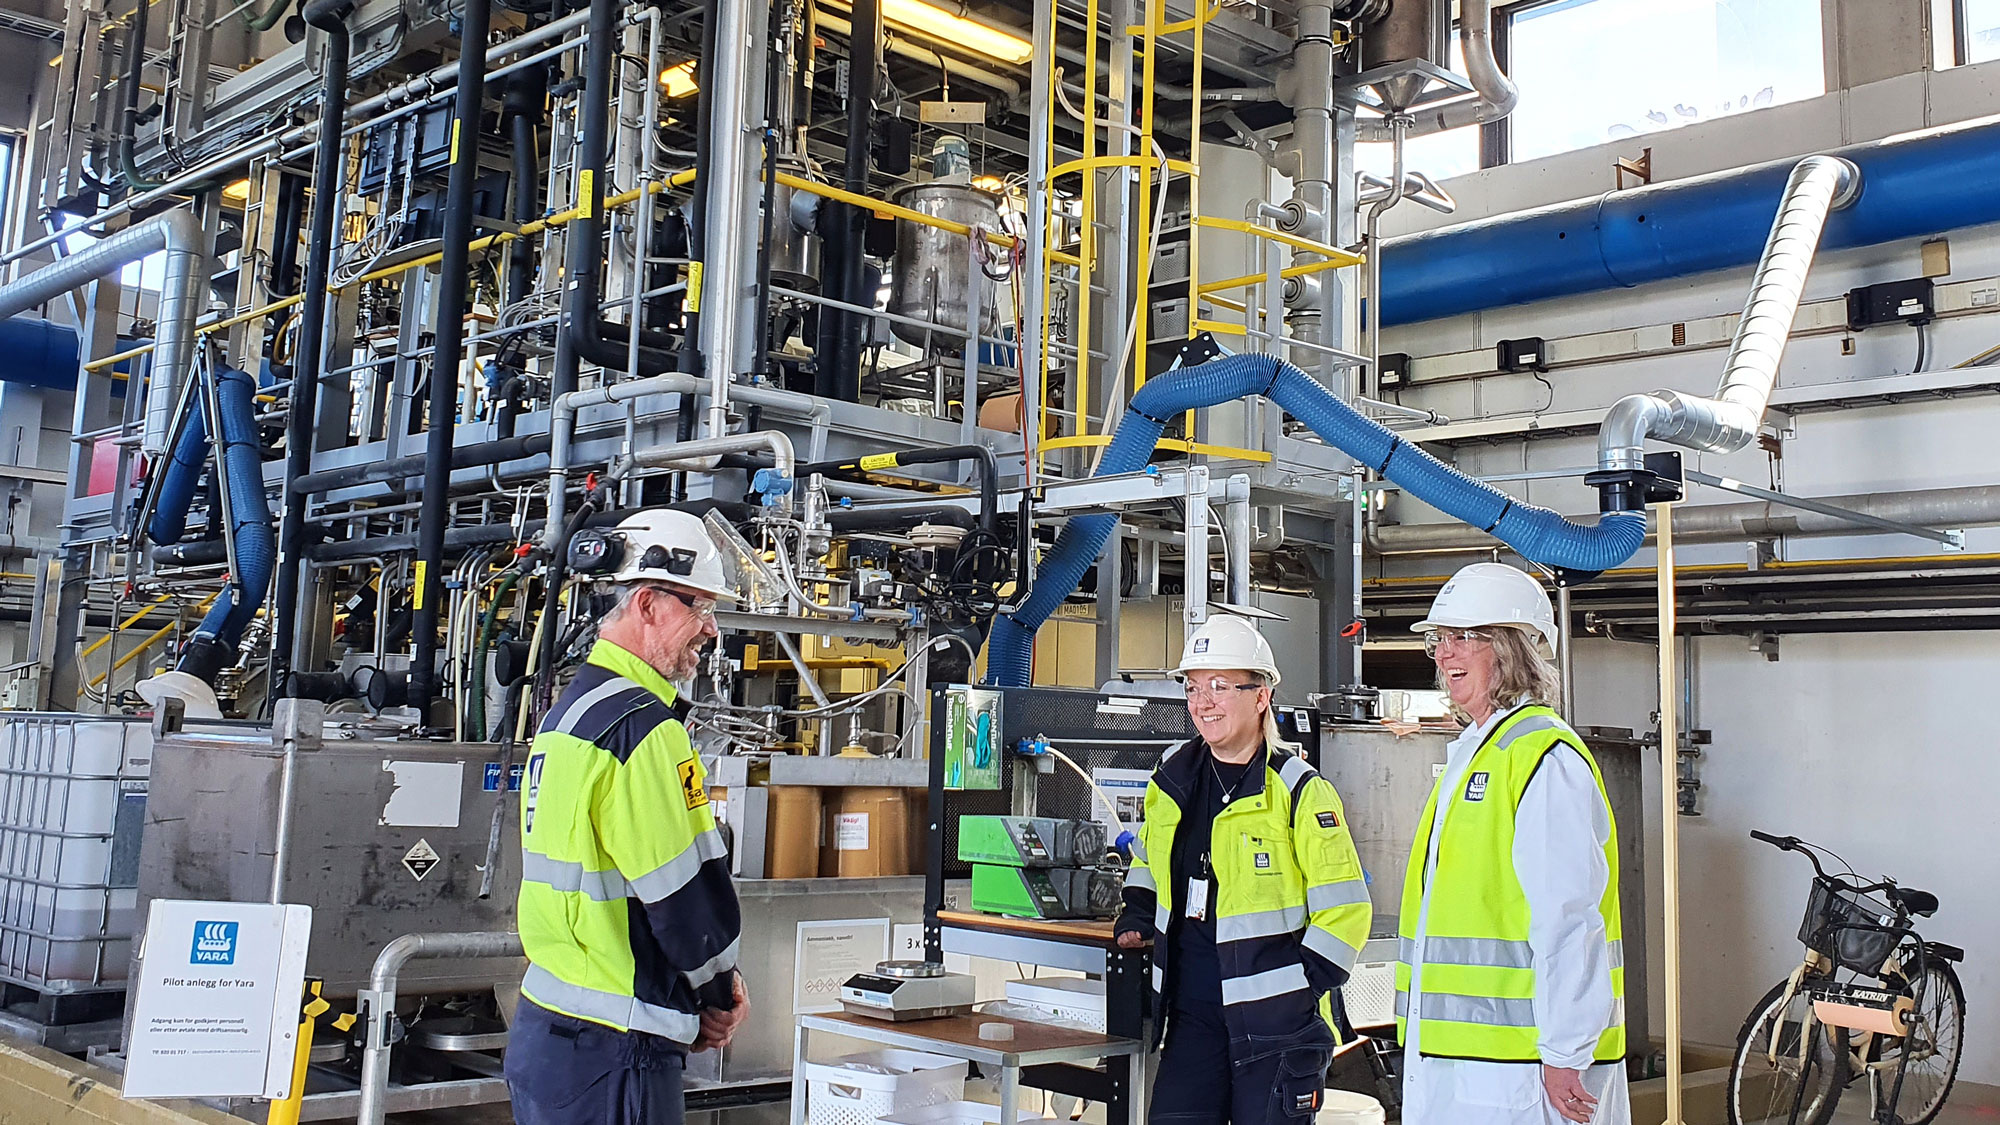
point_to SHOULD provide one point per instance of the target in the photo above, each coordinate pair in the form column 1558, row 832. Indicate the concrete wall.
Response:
column 1875, row 745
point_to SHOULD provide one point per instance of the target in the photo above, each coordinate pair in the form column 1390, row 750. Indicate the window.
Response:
column 1979, row 29
column 1592, row 71
column 1439, row 155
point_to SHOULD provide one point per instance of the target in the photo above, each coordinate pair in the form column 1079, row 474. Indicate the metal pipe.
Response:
column 1496, row 94
column 1972, row 506
column 1819, row 186
column 562, row 431
column 1566, row 631
column 704, row 454
column 178, row 234
column 723, row 281
column 846, row 263
column 379, row 1001
column 329, row 169
column 448, row 350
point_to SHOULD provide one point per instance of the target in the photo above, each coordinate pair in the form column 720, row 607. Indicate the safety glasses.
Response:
column 1215, row 687
column 1436, row 639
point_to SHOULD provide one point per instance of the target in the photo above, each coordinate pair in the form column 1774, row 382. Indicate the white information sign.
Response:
column 830, row 952
column 1127, row 790
column 217, row 1011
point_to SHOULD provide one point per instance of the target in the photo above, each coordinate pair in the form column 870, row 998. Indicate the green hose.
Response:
column 476, row 722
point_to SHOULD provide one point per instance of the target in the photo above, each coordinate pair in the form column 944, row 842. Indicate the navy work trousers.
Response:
column 564, row 1071
column 1199, row 1084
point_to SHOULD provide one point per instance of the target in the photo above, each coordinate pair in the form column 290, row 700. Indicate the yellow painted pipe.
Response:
column 157, row 636
column 122, row 626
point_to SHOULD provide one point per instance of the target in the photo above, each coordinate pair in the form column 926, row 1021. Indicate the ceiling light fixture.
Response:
column 679, row 80
column 954, row 30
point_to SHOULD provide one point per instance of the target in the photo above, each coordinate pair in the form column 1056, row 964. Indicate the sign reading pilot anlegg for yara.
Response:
column 217, row 1012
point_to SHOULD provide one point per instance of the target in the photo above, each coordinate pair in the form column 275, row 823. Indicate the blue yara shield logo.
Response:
column 214, row 944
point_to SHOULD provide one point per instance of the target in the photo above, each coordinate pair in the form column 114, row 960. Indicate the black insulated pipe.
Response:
column 840, row 375
column 985, row 470
column 330, row 16
column 448, row 353
column 582, row 310
column 527, row 90
column 477, row 456
column 284, row 279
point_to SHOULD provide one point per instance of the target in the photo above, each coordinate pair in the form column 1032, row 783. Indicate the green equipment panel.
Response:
column 1029, row 841
column 1059, row 892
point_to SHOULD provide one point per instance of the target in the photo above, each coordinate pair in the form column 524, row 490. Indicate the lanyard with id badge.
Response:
column 1201, row 884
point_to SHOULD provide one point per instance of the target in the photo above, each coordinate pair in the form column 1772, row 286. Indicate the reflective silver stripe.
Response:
column 1486, row 952
column 1617, row 954
column 1533, row 725
column 1264, row 985
column 716, row 966
column 1161, row 919
column 1138, row 875
column 1294, row 771
column 1262, row 924
column 1406, row 950
column 589, row 699
column 1159, row 979
column 661, row 882
column 1331, row 948
column 1477, row 1009
column 545, row 987
column 1139, row 850
column 1402, row 1004
column 1327, row 896
column 562, row 875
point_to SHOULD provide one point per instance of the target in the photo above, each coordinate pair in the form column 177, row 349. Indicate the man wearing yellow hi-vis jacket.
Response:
column 1510, row 983
column 627, row 913
column 1245, row 878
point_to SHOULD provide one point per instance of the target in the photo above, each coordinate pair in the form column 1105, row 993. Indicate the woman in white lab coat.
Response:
column 1510, row 991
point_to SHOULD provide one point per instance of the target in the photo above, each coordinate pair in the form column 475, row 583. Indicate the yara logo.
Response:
column 214, row 944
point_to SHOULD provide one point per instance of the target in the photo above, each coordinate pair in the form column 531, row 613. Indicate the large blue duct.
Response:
column 1911, row 186
column 1536, row 533
column 38, row 353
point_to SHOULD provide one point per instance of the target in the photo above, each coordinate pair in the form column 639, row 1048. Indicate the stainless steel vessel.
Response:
column 933, row 273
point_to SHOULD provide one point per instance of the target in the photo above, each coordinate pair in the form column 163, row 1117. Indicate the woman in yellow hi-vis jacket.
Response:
column 1510, row 987
column 1245, row 879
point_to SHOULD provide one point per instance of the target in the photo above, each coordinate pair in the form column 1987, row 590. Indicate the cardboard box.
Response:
column 793, row 832
column 873, row 832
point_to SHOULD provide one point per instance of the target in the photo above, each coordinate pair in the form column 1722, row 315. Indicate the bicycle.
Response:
column 1871, row 999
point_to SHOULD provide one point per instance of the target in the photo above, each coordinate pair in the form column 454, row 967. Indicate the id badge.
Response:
column 1197, row 898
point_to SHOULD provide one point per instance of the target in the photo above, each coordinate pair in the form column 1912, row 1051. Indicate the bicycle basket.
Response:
column 1834, row 928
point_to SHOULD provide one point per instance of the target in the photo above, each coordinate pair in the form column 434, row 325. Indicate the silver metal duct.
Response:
column 1819, row 186
column 1497, row 94
column 179, row 234
column 1973, row 506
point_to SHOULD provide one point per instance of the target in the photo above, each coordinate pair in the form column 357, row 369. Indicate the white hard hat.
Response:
column 1227, row 643
column 654, row 546
column 1492, row 594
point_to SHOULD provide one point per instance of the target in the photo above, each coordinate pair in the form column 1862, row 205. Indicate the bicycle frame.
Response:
column 1818, row 964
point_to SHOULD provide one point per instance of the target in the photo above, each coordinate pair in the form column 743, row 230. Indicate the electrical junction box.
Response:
column 1529, row 353
column 1025, row 841
column 1050, row 892
column 1892, row 302
column 1392, row 370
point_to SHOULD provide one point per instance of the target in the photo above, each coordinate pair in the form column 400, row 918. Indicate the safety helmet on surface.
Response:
column 653, row 546
column 1493, row 594
column 1228, row 643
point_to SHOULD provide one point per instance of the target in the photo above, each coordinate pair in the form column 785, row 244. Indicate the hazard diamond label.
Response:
column 419, row 860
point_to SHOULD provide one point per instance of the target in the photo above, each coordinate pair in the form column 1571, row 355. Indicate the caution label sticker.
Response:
column 420, row 859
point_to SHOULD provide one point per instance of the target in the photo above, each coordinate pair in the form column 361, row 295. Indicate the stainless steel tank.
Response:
column 1414, row 30
column 1384, row 781
column 933, row 273
column 794, row 249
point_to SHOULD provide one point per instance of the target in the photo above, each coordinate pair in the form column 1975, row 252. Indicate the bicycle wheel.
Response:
column 1930, row 1054
column 1771, row 1080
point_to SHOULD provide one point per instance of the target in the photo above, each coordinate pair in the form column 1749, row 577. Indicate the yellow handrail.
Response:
column 122, row 626
column 1215, row 222
column 157, row 636
column 1248, row 279
column 884, row 207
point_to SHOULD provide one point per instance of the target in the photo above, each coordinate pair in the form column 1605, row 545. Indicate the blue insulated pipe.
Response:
column 1913, row 185
column 1536, row 533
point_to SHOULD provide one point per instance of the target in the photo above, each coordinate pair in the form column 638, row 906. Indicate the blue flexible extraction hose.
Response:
column 1538, row 534
column 183, row 474
column 242, row 458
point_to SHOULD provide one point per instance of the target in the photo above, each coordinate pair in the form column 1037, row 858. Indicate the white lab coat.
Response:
column 1559, row 837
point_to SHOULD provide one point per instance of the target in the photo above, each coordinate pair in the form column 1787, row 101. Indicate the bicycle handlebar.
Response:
column 1794, row 844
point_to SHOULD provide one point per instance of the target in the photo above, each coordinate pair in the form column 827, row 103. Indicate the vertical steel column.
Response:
column 732, row 245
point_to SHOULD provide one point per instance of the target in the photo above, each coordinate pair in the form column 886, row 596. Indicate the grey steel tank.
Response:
column 794, row 248
column 932, row 273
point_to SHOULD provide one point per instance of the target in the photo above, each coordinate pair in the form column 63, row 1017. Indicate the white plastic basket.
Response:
column 958, row 1113
column 1343, row 1107
column 1370, row 994
column 842, row 1093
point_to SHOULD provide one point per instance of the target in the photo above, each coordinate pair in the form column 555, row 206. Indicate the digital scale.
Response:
column 907, row 990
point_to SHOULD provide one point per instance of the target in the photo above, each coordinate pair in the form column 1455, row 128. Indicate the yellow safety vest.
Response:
column 1288, row 884
column 1479, row 972
column 627, row 912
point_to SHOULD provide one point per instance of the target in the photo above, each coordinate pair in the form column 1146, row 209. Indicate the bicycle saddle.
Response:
column 1917, row 902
